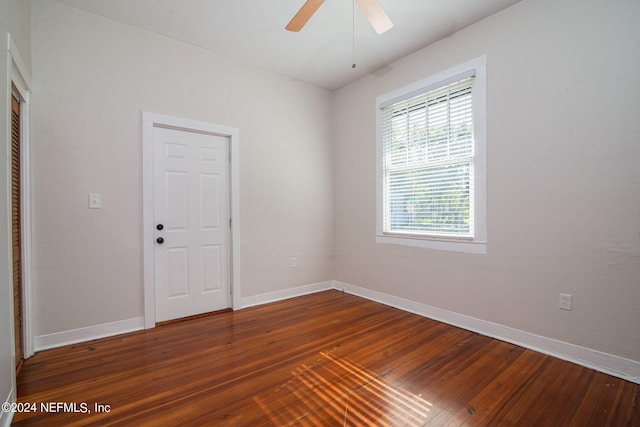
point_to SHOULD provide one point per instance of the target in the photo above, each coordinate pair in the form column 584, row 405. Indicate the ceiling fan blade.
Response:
column 304, row 14
column 376, row 15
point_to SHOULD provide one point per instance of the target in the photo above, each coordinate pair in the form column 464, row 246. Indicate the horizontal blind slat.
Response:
column 428, row 158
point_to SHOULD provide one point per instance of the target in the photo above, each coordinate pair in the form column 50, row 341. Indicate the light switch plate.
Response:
column 95, row 201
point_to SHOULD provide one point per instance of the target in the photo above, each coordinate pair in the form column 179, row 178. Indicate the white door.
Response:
column 191, row 220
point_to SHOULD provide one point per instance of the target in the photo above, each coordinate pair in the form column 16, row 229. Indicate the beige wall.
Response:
column 93, row 78
column 20, row 28
column 563, row 179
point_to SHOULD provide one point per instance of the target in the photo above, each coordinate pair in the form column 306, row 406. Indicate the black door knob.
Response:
column 160, row 240
column 159, row 226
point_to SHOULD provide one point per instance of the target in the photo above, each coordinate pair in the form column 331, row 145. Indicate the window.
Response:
column 431, row 161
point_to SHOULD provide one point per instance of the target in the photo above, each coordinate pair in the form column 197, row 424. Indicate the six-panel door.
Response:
column 191, row 213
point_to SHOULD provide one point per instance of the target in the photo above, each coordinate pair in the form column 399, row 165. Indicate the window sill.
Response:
column 464, row 246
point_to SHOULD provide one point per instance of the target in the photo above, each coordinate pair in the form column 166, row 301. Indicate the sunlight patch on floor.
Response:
column 337, row 389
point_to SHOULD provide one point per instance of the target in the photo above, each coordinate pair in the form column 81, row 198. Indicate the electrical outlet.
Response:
column 564, row 302
column 293, row 263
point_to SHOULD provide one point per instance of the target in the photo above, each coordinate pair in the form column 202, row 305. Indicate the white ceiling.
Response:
column 321, row 54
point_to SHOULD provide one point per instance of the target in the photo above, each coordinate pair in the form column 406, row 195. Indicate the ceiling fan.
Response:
column 372, row 9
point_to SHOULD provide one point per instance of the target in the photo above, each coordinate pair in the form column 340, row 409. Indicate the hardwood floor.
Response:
column 328, row 359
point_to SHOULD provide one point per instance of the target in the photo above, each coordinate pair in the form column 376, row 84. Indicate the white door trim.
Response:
column 149, row 121
column 20, row 84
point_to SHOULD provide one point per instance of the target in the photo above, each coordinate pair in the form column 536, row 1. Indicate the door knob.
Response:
column 160, row 240
column 159, row 226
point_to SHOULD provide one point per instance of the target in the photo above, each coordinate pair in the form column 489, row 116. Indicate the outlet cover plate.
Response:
column 564, row 302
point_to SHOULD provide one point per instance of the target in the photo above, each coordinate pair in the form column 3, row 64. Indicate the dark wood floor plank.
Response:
column 535, row 396
column 600, row 402
column 328, row 359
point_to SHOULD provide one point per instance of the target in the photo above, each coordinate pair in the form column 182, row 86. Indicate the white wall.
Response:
column 92, row 78
column 563, row 178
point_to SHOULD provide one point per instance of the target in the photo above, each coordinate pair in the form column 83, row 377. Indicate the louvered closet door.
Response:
column 16, row 237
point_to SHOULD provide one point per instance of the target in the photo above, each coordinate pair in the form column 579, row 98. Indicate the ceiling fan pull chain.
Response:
column 353, row 34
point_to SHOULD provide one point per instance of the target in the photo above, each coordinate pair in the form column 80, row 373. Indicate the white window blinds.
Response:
column 427, row 146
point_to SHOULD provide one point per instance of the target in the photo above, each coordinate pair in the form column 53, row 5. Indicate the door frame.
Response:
column 19, row 84
column 149, row 122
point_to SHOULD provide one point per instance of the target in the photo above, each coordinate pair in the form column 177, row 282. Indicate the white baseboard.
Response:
column 286, row 294
column 609, row 364
column 59, row 339
column 7, row 417
column 88, row 333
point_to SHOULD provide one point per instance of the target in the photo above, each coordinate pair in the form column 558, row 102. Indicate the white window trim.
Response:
column 479, row 243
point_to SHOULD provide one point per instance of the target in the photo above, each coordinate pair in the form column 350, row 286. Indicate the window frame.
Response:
column 478, row 243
